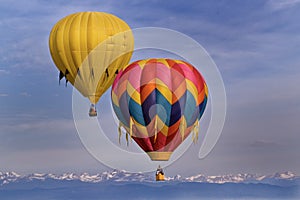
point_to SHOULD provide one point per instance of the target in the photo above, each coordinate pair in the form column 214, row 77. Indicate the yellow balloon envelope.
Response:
column 89, row 48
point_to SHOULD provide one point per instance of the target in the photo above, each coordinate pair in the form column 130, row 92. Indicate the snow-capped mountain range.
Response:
column 285, row 178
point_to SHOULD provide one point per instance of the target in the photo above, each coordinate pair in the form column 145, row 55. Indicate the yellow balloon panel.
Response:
column 89, row 48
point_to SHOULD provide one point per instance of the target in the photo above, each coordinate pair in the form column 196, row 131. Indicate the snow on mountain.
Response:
column 123, row 176
column 282, row 179
column 238, row 178
column 115, row 175
column 285, row 175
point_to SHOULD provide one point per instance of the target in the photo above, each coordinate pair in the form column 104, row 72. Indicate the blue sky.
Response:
column 254, row 43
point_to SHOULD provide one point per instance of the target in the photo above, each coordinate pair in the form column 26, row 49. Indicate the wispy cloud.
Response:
column 34, row 20
column 4, row 72
column 25, row 94
column 34, row 134
column 3, row 95
column 282, row 4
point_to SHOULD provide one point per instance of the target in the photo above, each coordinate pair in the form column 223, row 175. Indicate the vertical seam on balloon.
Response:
column 110, row 61
column 83, row 59
column 144, row 64
column 71, row 62
column 53, row 48
column 127, row 102
column 70, row 52
column 184, row 96
column 140, row 81
column 125, row 29
column 81, row 76
column 171, row 89
column 127, row 83
column 155, row 117
column 121, row 31
column 64, row 64
column 98, row 75
column 125, row 57
column 85, row 72
column 67, row 35
column 118, row 58
column 102, row 83
column 156, row 131
column 64, row 50
column 117, row 93
column 87, row 59
column 98, row 82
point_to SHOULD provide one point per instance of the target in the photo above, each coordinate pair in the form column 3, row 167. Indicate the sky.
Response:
column 254, row 43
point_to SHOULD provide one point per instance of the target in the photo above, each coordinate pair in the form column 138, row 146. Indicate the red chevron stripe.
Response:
column 170, row 62
column 197, row 76
column 162, row 143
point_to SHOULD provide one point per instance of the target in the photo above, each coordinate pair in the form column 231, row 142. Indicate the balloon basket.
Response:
column 92, row 111
column 159, row 156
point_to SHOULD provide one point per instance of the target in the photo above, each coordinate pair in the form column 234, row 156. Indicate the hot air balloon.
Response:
column 159, row 102
column 89, row 48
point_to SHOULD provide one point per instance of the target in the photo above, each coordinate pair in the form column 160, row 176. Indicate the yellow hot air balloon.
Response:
column 89, row 48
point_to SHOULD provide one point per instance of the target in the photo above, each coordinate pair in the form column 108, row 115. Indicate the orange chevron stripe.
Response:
column 174, row 128
column 152, row 60
column 146, row 90
column 179, row 92
column 201, row 97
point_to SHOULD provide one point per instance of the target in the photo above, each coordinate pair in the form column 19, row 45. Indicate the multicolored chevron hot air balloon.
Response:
column 159, row 102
